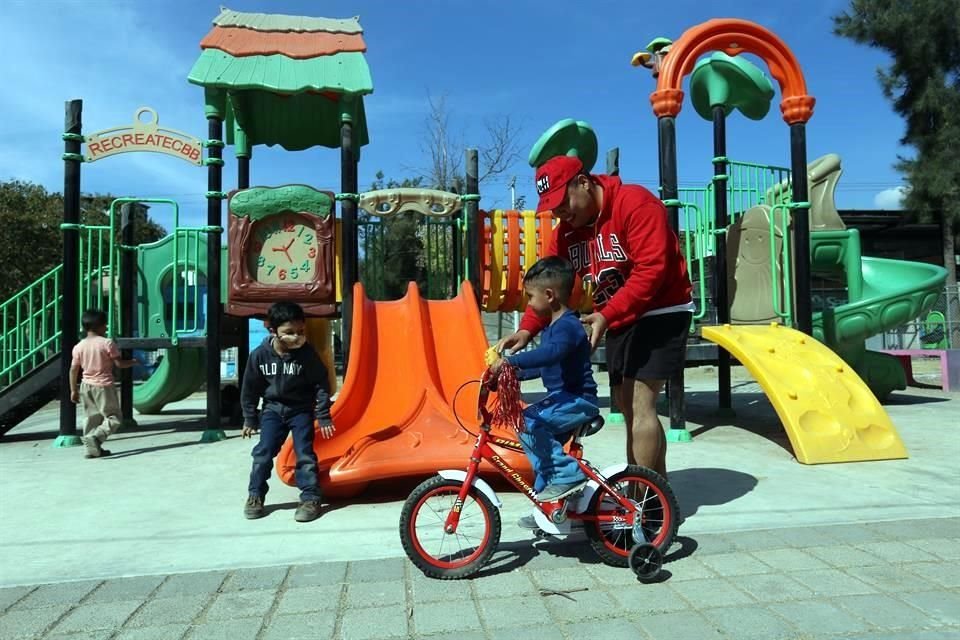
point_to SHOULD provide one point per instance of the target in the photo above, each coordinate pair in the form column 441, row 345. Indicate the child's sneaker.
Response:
column 307, row 511
column 92, row 446
column 253, row 509
column 556, row 491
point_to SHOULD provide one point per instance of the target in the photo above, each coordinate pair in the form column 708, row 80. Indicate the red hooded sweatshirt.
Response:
column 630, row 254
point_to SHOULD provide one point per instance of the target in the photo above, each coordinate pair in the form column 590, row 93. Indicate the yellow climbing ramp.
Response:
column 829, row 413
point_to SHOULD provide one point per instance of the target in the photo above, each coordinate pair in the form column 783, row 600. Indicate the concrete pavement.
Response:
column 164, row 507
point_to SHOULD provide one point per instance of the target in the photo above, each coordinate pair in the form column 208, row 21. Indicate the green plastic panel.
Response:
column 732, row 82
column 341, row 73
column 280, row 22
column 259, row 202
column 295, row 123
column 567, row 137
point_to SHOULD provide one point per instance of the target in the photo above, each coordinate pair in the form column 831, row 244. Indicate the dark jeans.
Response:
column 273, row 432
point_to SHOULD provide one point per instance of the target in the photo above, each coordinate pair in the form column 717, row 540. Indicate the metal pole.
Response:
column 613, row 169
column 349, row 252
column 243, row 340
column 802, row 300
column 128, row 304
column 613, row 162
column 666, row 127
column 214, row 430
column 471, row 208
column 70, row 285
column 720, row 182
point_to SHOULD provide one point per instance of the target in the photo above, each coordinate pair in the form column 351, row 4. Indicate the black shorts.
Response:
column 652, row 348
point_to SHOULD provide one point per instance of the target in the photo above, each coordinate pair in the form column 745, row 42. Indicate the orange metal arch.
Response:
column 732, row 36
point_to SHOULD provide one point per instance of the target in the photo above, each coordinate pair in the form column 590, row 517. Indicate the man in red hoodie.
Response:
column 619, row 240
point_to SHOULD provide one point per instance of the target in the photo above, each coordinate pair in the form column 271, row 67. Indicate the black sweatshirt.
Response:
column 293, row 383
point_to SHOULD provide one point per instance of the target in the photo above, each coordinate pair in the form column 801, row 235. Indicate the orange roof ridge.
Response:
column 241, row 42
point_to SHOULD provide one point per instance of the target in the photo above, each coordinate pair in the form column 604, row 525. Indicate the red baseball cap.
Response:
column 552, row 178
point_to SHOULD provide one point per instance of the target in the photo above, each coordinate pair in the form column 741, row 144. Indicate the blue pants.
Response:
column 547, row 422
column 273, row 432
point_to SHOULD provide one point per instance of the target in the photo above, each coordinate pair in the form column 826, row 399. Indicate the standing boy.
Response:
column 291, row 379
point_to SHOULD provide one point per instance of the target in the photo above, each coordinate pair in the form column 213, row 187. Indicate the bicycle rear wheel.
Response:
column 613, row 538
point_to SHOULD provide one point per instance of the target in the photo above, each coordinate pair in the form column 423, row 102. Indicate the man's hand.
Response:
column 326, row 430
column 515, row 342
column 75, row 396
column 596, row 326
column 248, row 431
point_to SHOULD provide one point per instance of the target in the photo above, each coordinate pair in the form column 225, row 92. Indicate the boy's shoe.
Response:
column 556, row 491
column 528, row 522
column 253, row 509
column 307, row 511
column 92, row 446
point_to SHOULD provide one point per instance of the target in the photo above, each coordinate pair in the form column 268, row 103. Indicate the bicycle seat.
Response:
column 590, row 428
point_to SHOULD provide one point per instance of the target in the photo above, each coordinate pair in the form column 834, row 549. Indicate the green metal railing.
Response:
column 748, row 185
column 31, row 327
column 30, row 320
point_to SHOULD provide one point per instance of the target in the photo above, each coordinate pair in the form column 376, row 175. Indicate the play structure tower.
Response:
column 734, row 37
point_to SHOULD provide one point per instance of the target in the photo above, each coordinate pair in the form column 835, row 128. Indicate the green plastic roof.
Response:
column 280, row 22
column 296, row 122
column 285, row 85
column 342, row 72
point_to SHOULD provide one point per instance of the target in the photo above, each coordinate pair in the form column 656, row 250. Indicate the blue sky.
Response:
column 536, row 61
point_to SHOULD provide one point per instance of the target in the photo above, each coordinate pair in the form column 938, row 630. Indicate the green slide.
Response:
column 181, row 372
column 882, row 295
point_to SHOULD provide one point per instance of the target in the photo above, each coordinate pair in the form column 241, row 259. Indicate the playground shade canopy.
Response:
column 284, row 80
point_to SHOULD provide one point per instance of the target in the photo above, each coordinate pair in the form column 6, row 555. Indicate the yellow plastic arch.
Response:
column 828, row 412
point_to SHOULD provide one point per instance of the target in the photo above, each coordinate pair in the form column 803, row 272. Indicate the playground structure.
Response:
column 301, row 82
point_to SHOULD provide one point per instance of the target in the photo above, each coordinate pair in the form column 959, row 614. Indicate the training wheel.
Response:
column 645, row 561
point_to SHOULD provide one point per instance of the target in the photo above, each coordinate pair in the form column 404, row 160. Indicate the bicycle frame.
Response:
column 483, row 451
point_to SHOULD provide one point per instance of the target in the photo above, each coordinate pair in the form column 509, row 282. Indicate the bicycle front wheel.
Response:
column 443, row 555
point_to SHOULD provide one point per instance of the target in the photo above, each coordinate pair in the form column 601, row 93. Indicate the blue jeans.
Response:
column 546, row 424
column 273, row 432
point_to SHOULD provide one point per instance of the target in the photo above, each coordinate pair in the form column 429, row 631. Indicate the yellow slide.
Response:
column 828, row 411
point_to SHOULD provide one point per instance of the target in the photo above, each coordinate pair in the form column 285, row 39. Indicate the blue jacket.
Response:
column 563, row 358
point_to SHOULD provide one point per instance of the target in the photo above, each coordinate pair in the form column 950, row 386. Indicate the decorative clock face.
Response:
column 283, row 251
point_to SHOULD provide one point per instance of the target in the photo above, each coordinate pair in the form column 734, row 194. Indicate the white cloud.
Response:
column 890, row 199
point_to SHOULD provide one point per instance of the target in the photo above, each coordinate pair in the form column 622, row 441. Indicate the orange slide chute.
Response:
column 394, row 415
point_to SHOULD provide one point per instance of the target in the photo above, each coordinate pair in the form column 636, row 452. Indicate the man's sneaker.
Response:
column 528, row 522
column 253, row 509
column 92, row 446
column 307, row 511
column 556, row 491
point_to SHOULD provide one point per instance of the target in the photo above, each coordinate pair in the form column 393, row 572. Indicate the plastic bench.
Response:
column 949, row 365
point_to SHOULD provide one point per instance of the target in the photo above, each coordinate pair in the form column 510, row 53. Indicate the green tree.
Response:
column 31, row 243
column 922, row 81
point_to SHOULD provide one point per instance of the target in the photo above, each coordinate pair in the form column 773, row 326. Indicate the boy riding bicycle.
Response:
column 563, row 361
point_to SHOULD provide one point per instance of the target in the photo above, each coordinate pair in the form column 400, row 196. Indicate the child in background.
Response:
column 96, row 356
column 563, row 360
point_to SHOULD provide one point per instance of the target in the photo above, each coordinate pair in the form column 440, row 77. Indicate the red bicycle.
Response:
column 450, row 523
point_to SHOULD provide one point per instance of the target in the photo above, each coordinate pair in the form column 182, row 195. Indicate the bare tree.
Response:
column 444, row 147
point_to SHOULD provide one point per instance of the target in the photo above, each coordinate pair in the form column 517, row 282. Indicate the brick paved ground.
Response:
column 883, row 580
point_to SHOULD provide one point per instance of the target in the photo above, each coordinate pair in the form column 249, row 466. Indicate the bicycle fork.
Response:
column 453, row 518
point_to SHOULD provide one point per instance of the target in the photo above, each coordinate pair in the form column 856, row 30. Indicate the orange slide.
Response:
column 394, row 415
